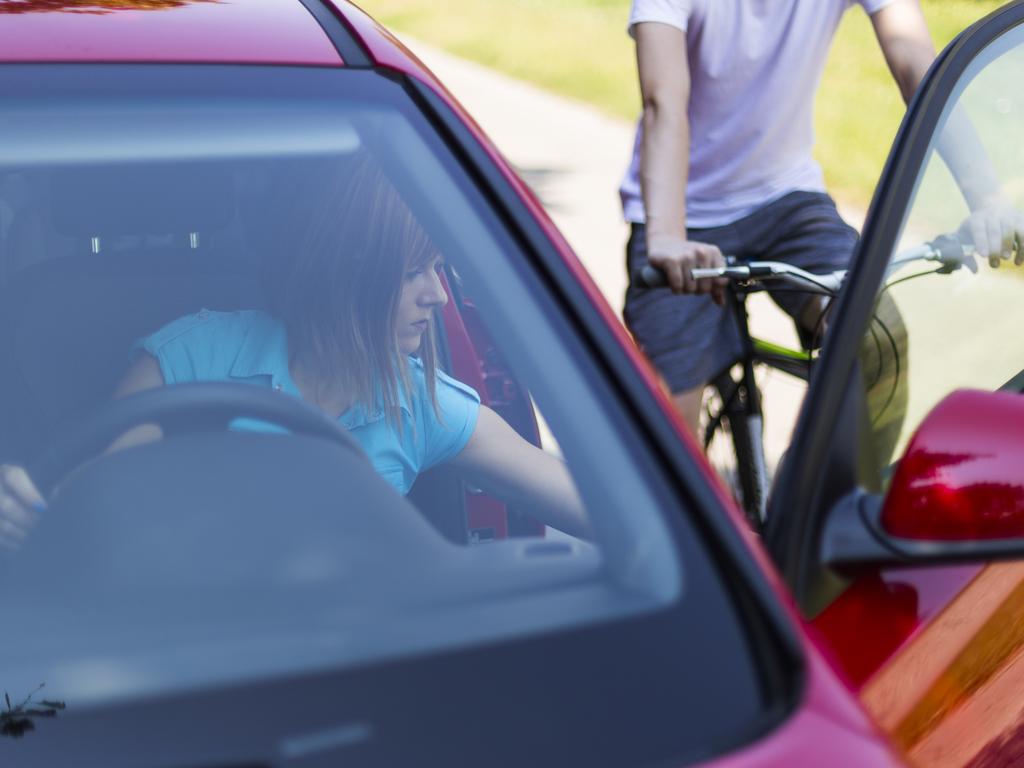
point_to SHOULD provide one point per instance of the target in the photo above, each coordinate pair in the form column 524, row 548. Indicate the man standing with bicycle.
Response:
column 722, row 163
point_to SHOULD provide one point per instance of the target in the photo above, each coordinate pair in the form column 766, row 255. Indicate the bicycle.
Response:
column 732, row 403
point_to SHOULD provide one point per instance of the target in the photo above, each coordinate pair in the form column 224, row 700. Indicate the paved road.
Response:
column 574, row 156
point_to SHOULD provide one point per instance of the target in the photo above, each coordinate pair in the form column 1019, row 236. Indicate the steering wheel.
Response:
column 182, row 409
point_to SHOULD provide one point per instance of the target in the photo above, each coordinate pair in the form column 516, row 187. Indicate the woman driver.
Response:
column 342, row 336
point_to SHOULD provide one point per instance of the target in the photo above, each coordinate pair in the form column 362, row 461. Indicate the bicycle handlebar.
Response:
column 651, row 277
column 946, row 250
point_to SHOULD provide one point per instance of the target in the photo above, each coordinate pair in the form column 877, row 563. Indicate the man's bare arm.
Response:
column 903, row 36
column 665, row 149
column 665, row 158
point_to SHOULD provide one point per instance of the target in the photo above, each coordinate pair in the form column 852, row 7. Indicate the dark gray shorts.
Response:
column 689, row 338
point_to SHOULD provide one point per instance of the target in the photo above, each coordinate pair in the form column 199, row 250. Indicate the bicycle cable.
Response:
column 892, row 344
column 878, row 354
column 887, row 286
column 818, row 333
column 896, row 375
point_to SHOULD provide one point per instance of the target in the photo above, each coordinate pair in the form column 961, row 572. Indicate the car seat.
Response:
column 142, row 254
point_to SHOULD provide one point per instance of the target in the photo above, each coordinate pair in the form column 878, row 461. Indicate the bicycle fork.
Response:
column 754, row 476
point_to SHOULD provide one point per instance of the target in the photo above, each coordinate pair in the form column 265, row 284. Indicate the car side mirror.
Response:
column 962, row 476
column 957, row 494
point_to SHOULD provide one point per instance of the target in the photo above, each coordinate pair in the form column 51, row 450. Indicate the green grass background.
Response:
column 580, row 48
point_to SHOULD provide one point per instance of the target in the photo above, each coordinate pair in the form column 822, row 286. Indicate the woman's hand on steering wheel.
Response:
column 20, row 504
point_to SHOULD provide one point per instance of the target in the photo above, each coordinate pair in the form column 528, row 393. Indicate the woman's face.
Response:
column 422, row 293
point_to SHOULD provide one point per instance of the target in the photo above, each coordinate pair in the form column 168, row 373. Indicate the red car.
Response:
column 262, row 587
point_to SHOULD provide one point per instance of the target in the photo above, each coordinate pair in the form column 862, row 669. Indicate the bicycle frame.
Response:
column 742, row 407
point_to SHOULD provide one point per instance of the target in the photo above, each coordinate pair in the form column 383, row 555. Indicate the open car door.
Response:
column 905, row 480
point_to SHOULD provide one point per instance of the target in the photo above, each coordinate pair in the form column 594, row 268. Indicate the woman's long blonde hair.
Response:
column 338, row 293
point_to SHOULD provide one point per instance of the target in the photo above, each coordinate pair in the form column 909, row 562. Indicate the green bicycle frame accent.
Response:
column 762, row 347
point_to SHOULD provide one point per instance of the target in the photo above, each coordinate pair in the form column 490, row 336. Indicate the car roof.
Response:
column 193, row 31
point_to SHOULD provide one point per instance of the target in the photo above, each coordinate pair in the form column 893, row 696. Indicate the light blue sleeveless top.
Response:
column 251, row 347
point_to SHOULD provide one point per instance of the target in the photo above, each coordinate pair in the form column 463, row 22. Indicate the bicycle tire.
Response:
column 740, row 460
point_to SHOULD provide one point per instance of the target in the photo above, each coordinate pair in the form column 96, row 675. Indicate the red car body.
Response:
column 880, row 648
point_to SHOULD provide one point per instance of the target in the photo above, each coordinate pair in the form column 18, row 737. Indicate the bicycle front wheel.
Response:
column 733, row 442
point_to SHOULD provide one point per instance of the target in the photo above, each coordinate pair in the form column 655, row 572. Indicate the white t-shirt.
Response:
column 754, row 70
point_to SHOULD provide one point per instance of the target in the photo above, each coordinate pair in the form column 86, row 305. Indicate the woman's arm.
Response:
column 497, row 459
column 20, row 500
column 144, row 373
column 20, row 504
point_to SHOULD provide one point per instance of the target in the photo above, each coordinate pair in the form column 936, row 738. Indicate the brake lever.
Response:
column 952, row 254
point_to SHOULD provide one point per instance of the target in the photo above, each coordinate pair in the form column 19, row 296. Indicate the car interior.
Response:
column 93, row 259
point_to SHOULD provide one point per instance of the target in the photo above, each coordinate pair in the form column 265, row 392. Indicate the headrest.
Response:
column 158, row 198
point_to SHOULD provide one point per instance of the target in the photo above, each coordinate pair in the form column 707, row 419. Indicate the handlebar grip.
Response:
column 953, row 253
column 650, row 277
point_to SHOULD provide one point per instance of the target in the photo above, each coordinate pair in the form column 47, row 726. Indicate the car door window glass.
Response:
column 933, row 329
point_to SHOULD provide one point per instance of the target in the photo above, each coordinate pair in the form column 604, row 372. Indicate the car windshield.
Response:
column 269, row 243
